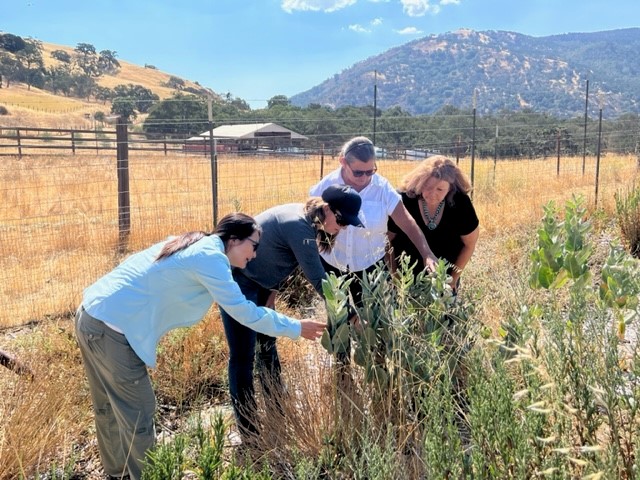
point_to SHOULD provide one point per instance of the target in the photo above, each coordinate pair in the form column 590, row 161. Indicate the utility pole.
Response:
column 473, row 141
column 586, row 113
column 375, row 103
column 214, row 163
column 598, row 154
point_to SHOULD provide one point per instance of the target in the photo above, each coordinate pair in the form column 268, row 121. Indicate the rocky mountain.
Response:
column 506, row 70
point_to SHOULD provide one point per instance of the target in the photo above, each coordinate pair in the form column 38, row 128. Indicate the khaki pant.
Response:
column 123, row 400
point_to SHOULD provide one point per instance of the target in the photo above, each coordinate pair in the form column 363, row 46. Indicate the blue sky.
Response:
column 256, row 49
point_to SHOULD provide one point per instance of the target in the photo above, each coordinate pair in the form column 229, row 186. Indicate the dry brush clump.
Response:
column 628, row 216
column 192, row 365
column 44, row 419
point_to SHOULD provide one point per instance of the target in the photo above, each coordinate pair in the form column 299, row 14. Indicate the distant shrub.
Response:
column 3, row 110
column 195, row 91
column 175, row 83
column 152, row 67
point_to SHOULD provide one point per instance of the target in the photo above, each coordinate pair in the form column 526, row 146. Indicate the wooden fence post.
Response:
column 124, row 208
column 73, row 142
column 19, row 144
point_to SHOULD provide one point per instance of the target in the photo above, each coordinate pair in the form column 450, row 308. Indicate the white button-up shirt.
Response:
column 358, row 248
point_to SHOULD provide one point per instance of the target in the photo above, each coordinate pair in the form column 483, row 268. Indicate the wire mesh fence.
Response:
column 59, row 218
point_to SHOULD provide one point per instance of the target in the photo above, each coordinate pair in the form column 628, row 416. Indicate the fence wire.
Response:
column 59, row 214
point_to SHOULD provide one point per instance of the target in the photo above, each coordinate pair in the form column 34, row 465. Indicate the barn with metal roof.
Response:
column 250, row 136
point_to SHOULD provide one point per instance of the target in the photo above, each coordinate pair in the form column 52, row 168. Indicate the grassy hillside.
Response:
column 40, row 108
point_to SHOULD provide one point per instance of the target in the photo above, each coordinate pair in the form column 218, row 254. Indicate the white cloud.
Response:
column 418, row 8
column 376, row 21
column 449, row 2
column 379, row 1
column 359, row 28
column 327, row 6
column 409, row 31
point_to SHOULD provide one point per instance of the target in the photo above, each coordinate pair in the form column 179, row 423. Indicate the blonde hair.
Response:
column 440, row 167
column 314, row 211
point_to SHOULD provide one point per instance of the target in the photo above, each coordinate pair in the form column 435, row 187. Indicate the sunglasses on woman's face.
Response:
column 361, row 173
column 340, row 219
column 254, row 244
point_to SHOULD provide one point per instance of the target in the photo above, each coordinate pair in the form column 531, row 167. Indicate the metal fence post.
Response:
column 214, row 174
column 598, row 156
column 124, row 207
column 558, row 152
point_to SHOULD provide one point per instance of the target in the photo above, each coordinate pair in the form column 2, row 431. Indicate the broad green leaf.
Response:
column 325, row 341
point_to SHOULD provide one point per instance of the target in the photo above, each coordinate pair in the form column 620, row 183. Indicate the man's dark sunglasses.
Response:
column 254, row 243
column 368, row 146
column 361, row 173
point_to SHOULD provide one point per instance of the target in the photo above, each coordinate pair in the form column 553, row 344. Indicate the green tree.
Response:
column 60, row 79
column 10, row 69
column 107, row 62
column 124, row 107
column 61, row 56
column 179, row 116
column 175, row 82
column 99, row 117
column 142, row 98
column 278, row 100
column 84, row 86
column 11, row 43
column 236, row 102
column 103, row 94
column 87, row 59
column 395, row 127
column 30, row 57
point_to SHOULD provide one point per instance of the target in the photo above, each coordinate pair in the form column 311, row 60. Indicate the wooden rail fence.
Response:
column 31, row 141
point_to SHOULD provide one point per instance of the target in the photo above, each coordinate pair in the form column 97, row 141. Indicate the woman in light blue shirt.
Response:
column 125, row 313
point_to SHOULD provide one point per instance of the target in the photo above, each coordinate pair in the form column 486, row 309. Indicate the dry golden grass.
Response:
column 44, row 420
column 39, row 108
column 150, row 78
column 59, row 215
column 59, row 231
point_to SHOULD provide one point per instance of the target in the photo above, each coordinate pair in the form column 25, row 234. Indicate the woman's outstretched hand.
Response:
column 431, row 263
column 311, row 329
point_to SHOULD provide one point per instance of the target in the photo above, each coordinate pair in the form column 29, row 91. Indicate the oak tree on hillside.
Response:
column 107, row 62
column 61, row 56
column 87, row 59
column 30, row 57
column 9, row 69
column 11, row 43
column 143, row 98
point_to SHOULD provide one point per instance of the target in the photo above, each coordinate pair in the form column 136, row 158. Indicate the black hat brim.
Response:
column 352, row 220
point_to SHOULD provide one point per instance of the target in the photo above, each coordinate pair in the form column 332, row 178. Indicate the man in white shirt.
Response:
column 357, row 250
